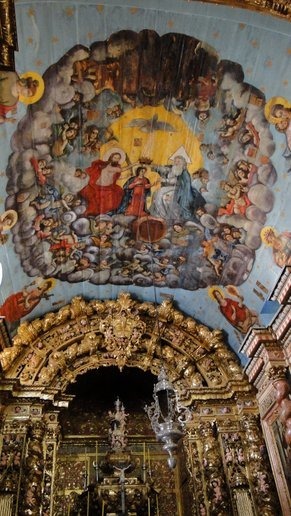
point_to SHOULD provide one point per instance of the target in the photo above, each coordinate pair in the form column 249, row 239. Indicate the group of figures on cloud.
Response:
column 84, row 218
column 92, row 235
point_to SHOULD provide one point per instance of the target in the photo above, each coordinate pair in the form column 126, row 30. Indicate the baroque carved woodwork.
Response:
column 8, row 35
column 269, row 371
column 225, row 469
column 279, row 8
column 47, row 354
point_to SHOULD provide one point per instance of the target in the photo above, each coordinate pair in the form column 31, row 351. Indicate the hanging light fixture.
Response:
column 167, row 416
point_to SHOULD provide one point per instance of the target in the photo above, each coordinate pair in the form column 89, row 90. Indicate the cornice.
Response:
column 280, row 8
column 282, row 290
column 5, row 340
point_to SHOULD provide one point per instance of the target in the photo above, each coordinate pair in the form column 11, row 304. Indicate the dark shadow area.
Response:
column 132, row 386
column 95, row 393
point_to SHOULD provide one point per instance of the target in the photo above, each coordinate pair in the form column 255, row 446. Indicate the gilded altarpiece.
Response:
column 269, row 371
column 223, row 466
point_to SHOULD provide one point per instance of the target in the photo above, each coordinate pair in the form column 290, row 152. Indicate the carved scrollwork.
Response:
column 122, row 333
column 51, row 352
column 213, row 471
column 259, row 467
column 34, row 466
column 279, row 8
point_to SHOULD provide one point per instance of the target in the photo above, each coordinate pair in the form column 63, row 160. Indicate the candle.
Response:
column 157, row 504
column 144, row 453
column 87, row 467
column 149, row 507
column 96, row 453
column 149, row 460
column 86, row 473
column 103, row 503
column 88, row 503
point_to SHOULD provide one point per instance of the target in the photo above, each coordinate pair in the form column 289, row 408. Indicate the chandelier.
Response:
column 167, row 416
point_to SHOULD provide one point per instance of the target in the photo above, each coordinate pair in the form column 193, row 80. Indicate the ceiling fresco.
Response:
column 145, row 158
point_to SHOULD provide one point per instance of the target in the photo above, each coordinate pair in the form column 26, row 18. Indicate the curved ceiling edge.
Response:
column 49, row 353
column 281, row 8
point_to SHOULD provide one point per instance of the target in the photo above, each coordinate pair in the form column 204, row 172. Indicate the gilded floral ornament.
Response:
column 280, row 8
column 27, row 332
column 84, row 335
column 8, row 355
column 122, row 331
column 166, row 312
column 276, row 373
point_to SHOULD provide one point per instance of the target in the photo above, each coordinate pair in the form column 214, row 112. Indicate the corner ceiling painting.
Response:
column 138, row 157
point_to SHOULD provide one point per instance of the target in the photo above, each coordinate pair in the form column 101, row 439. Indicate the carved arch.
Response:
column 49, row 353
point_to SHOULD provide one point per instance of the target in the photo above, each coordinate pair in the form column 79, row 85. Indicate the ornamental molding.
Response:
column 255, row 338
column 279, row 8
column 282, row 290
column 269, row 348
column 49, row 353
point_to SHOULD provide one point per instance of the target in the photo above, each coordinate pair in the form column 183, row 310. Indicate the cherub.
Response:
column 91, row 143
column 66, row 135
column 239, row 201
column 42, row 169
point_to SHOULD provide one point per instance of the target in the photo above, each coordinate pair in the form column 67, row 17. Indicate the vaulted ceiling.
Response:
column 193, row 101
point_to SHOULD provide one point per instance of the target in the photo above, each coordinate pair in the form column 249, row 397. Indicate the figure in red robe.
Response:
column 237, row 313
column 102, row 194
column 21, row 303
